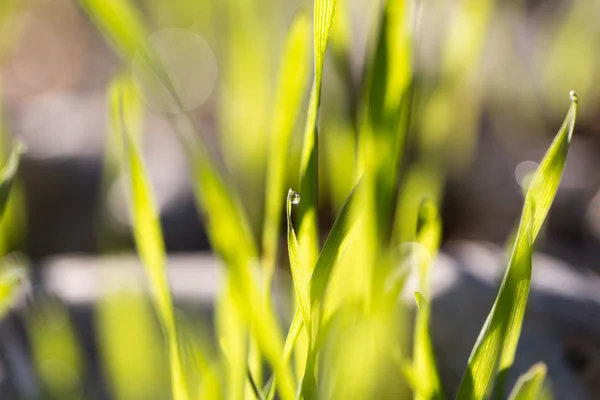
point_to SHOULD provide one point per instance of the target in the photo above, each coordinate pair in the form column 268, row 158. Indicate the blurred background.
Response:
column 492, row 83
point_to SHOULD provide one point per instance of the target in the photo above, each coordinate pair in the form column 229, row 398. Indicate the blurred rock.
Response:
column 62, row 173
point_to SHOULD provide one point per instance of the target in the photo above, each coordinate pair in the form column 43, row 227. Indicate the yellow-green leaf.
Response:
column 529, row 386
column 150, row 246
column 291, row 88
column 497, row 342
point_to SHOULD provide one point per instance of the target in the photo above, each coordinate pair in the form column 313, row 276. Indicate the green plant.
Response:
column 349, row 332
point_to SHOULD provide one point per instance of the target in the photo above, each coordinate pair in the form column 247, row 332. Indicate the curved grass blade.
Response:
column 424, row 365
column 307, row 226
column 530, row 384
column 334, row 246
column 298, row 274
column 292, row 82
column 8, row 173
column 150, row 246
column 498, row 339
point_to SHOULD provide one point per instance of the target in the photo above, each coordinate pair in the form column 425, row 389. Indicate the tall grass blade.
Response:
column 131, row 347
column 530, row 384
column 291, row 88
column 424, row 364
column 150, row 246
column 387, row 89
column 308, row 236
column 498, row 339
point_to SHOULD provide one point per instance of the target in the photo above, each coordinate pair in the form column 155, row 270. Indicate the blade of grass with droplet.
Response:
column 308, row 236
column 298, row 273
column 150, row 246
column 334, row 246
column 497, row 342
column 424, row 365
column 291, row 87
column 529, row 386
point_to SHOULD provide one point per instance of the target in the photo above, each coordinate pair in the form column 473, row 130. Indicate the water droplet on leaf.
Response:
column 573, row 96
column 295, row 198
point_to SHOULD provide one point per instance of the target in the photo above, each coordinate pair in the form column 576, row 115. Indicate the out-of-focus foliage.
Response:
column 131, row 347
column 56, row 349
column 386, row 158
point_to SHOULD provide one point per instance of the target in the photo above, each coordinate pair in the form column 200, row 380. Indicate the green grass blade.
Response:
column 131, row 347
column 497, row 342
column 530, row 384
column 57, row 354
column 292, row 85
column 324, row 12
column 123, row 25
column 150, row 246
column 545, row 182
column 387, row 88
column 8, row 173
column 424, row 364
column 308, row 236
column 12, row 278
column 334, row 246
column 298, row 273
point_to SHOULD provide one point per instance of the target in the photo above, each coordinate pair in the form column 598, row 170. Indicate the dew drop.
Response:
column 295, row 198
column 573, row 96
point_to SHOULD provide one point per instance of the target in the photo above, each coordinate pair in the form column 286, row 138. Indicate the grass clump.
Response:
column 349, row 331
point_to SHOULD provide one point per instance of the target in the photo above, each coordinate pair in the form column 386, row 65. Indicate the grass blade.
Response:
column 131, row 347
column 424, row 364
column 307, row 227
column 498, row 339
column 530, row 384
column 150, row 246
column 8, row 173
column 12, row 278
column 298, row 273
column 57, row 354
column 292, row 82
column 123, row 25
column 387, row 88
column 334, row 246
